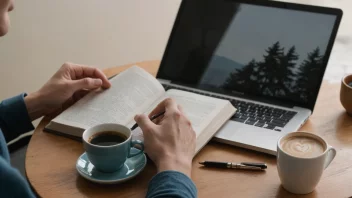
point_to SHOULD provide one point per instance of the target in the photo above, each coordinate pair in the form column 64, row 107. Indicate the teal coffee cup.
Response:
column 109, row 145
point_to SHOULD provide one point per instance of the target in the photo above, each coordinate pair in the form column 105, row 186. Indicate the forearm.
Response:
column 175, row 164
column 34, row 107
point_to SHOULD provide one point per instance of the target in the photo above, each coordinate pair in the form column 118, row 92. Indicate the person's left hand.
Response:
column 68, row 84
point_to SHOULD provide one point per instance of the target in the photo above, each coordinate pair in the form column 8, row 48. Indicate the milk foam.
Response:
column 302, row 146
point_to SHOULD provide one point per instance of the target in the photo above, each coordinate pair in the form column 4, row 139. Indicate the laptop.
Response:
column 268, row 58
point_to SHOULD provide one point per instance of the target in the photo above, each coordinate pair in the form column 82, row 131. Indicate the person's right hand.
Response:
column 171, row 142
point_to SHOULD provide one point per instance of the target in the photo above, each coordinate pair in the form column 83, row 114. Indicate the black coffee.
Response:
column 350, row 84
column 107, row 138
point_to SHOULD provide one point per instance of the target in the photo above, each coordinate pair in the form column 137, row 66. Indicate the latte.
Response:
column 303, row 146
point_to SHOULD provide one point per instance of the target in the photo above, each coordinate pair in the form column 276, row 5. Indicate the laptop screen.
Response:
column 254, row 50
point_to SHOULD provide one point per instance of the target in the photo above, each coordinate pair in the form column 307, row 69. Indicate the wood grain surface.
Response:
column 50, row 160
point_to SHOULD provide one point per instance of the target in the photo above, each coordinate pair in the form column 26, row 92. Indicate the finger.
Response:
column 166, row 105
column 180, row 108
column 86, row 83
column 144, row 123
column 159, row 108
column 171, row 107
column 159, row 119
column 82, row 71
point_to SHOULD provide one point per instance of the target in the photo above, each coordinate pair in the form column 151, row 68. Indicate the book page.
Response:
column 133, row 90
column 199, row 109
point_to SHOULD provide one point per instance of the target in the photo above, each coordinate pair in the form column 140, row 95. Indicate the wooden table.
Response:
column 50, row 161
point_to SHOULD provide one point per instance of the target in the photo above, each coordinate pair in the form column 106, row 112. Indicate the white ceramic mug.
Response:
column 301, row 175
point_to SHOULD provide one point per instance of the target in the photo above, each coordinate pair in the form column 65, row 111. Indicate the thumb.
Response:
column 86, row 83
column 144, row 123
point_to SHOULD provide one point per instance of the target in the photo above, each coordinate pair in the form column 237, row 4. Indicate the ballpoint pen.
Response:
column 152, row 118
column 241, row 165
column 111, row 77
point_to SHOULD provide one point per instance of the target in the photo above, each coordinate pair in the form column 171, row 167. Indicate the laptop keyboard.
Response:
column 252, row 114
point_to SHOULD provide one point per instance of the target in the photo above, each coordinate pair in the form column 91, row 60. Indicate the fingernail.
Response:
column 98, row 82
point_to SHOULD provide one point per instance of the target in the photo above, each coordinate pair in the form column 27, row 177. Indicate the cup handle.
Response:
column 133, row 143
column 331, row 155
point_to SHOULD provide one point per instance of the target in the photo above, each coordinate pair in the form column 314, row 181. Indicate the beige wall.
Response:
column 45, row 34
column 107, row 33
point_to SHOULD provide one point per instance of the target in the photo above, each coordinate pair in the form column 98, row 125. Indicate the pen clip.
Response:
column 260, row 165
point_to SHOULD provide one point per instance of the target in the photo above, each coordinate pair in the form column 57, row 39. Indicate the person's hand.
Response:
column 171, row 142
column 69, row 83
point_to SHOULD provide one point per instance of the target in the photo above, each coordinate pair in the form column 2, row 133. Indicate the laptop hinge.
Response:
column 246, row 97
column 163, row 81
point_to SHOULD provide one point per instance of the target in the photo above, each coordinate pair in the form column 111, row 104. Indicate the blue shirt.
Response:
column 14, row 120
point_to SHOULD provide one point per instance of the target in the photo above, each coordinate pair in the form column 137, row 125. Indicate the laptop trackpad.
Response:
column 249, row 135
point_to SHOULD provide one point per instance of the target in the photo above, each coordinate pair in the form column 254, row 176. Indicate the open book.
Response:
column 135, row 91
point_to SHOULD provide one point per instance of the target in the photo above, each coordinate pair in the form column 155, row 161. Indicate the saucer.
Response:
column 133, row 166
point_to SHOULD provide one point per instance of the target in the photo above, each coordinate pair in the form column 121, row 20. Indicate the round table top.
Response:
column 50, row 160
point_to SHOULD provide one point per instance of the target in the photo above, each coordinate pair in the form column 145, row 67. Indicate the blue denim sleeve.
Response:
column 171, row 184
column 12, row 184
column 14, row 118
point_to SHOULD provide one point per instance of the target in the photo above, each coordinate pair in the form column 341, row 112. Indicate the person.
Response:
column 170, row 142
